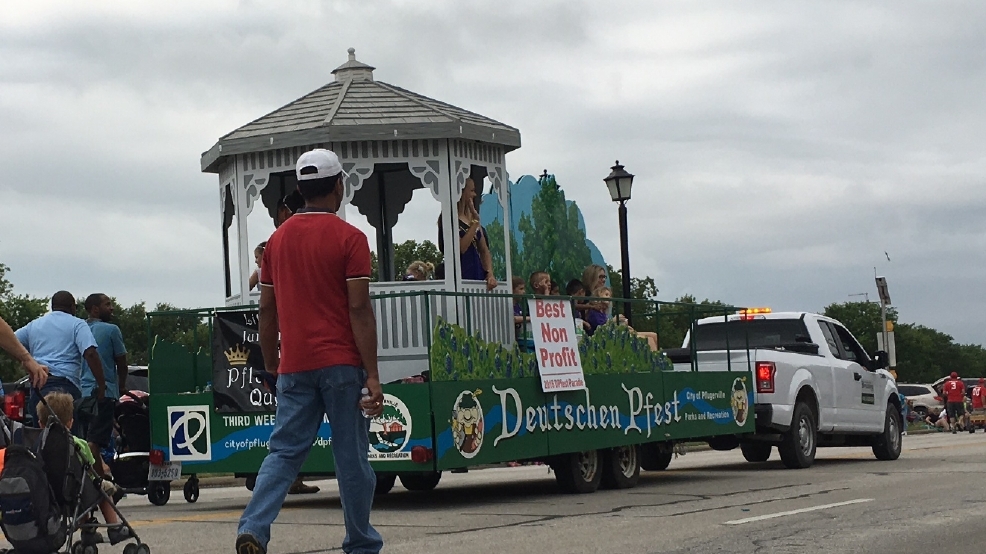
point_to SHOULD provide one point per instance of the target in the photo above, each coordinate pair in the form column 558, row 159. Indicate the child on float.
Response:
column 597, row 317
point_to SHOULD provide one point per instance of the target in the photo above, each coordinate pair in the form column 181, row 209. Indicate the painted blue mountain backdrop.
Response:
column 547, row 232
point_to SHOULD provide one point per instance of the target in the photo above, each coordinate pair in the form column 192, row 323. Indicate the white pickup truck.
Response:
column 815, row 385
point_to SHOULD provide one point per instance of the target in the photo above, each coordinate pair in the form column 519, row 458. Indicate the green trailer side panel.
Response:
column 480, row 421
column 171, row 368
column 237, row 443
column 709, row 403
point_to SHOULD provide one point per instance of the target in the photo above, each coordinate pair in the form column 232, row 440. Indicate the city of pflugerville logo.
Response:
column 189, row 434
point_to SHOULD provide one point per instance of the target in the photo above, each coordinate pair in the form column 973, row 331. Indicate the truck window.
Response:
column 758, row 333
column 829, row 337
column 851, row 349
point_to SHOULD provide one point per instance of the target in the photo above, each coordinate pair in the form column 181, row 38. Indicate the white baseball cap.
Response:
column 318, row 164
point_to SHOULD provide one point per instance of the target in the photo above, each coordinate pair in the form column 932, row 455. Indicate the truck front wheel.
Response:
column 797, row 449
column 579, row 472
column 756, row 451
column 888, row 443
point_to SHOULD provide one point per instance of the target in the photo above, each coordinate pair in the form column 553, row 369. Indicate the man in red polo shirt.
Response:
column 315, row 292
column 954, row 392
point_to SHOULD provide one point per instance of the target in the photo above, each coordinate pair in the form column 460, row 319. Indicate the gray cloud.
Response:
column 780, row 148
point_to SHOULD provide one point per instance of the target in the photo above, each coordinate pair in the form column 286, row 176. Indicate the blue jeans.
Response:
column 54, row 384
column 302, row 398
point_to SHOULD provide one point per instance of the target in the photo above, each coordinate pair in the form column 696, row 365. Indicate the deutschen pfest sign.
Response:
column 556, row 345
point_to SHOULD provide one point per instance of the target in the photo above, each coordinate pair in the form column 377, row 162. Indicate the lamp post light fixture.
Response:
column 619, row 182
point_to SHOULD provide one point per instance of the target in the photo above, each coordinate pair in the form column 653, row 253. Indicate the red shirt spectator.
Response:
column 315, row 327
column 954, row 390
column 978, row 395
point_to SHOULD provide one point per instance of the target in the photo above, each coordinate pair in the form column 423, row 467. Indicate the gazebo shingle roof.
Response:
column 355, row 107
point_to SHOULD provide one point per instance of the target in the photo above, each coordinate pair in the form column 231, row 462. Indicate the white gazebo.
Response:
column 391, row 142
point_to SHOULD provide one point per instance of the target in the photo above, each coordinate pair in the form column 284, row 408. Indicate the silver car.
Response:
column 924, row 400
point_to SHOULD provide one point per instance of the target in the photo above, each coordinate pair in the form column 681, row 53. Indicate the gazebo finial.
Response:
column 353, row 70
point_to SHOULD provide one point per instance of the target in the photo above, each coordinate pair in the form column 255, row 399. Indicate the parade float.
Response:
column 460, row 392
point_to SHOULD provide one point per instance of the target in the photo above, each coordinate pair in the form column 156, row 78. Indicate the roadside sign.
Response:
column 556, row 346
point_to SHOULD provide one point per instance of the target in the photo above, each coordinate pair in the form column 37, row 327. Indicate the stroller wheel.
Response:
column 143, row 549
column 90, row 549
column 130, row 548
column 77, row 547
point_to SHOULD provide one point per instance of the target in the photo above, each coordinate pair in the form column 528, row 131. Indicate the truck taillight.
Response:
column 13, row 406
column 156, row 457
column 765, row 376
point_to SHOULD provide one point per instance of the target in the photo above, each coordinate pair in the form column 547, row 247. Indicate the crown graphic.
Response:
column 237, row 355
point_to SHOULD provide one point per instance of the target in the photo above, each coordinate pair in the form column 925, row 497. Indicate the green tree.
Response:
column 17, row 310
column 495, row 233
column 405, row 253
column 553, row 240
column 862, row 319
column 674, row 320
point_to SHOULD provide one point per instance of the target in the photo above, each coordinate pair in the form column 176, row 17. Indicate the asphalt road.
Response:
column 932, row 499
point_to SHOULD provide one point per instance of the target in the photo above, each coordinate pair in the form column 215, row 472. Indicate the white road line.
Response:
column 798, row 511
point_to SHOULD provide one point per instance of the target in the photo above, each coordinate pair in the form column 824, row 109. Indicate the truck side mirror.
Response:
column 879, row 361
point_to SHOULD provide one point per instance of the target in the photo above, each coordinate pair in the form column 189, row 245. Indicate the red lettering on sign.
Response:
column 548, row 309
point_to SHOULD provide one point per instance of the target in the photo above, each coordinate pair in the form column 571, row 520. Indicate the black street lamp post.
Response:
column 619, row 182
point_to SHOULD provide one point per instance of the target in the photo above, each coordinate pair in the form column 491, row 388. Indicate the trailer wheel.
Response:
column 579, row 472
column 621, row 467
column 191, row 489
column 655, row 457
column 756, row 451
column 797, row 449
column 159, row 492
column 424, row 481
column 385, row 482
column 888, row 443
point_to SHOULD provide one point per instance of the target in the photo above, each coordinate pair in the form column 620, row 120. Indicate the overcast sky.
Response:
column 780, row 148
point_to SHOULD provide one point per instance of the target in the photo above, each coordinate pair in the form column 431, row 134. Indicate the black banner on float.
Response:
column 239, row 381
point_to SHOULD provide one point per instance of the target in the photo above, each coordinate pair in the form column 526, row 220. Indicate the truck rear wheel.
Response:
column 888, row 443
column 421, row 481
column 621, row 468
column 579, row 472
column 756, row 451
column 797, row 449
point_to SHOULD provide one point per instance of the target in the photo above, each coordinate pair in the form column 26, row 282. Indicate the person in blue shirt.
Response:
column 61, row 341
column 94, row 417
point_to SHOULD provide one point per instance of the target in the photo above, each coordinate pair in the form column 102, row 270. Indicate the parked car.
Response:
column 924, row 399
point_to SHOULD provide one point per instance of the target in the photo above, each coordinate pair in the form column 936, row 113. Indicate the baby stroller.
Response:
column 133, row 457
column 47, row 493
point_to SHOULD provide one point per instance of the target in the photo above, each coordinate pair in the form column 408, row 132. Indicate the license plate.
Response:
column 169, row 471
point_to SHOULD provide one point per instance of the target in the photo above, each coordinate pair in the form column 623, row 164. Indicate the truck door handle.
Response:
column 856, row 376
